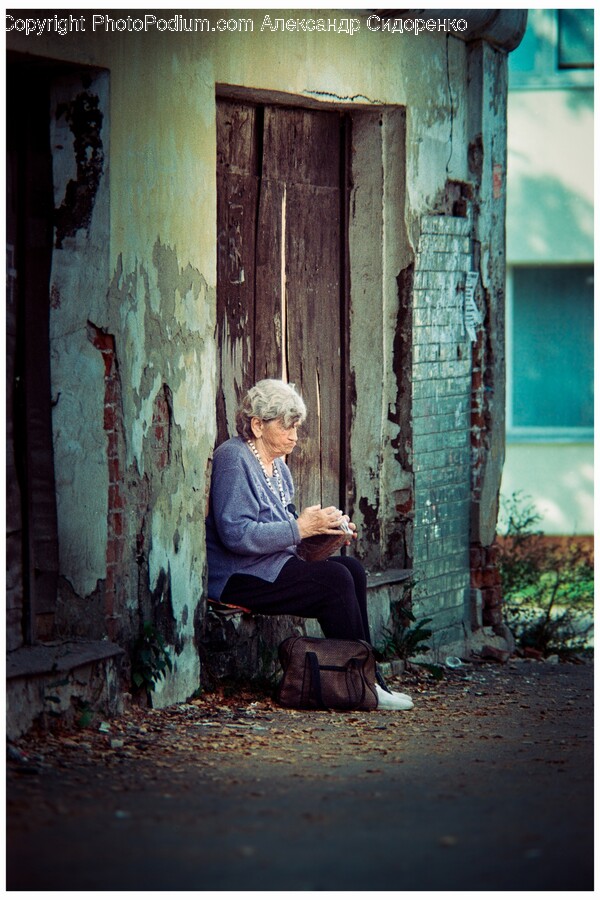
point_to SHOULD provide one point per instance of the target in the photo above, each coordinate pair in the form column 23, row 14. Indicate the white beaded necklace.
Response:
column 276, row 473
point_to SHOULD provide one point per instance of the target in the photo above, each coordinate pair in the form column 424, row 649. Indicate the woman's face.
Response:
column 277, row 440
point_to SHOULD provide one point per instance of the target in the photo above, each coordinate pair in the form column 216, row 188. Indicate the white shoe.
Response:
column 402, row 696
column 392, row 701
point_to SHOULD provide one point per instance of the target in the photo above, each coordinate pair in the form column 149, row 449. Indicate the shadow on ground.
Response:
column 485, row 785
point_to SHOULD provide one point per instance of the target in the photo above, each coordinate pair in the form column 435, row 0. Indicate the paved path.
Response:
column 485, row 785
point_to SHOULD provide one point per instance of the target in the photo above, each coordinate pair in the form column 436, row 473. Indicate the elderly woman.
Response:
column 253, row 532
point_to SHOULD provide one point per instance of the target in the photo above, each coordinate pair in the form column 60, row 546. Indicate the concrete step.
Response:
column 57, row 681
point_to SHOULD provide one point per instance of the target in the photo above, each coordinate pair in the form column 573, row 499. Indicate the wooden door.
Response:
column 281, row 295
column 32, row 543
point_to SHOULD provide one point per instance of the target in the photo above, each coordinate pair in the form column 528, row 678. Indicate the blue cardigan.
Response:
column 248, row 530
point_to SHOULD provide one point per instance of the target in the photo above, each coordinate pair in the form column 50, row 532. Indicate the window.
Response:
column 575, row 38
column 551, row 352
column 557, row 50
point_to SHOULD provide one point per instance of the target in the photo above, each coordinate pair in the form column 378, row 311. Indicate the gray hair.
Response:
column 270, row 399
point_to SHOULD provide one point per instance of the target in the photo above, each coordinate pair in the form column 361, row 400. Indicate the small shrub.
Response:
column 407, row 637
column 548, row 588
column 150, row 659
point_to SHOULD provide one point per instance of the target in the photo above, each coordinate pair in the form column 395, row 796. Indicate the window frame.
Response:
column 570, row 66
column 529, row 433
column 546, row 74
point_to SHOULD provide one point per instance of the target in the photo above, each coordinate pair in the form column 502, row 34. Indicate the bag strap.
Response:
column 353, row 665
column 315, row 676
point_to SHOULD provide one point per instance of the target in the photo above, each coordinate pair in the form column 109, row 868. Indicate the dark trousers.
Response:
column 333, row 591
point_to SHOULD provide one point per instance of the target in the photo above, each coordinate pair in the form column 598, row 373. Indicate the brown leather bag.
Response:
column 320, row 546
column 323, row 673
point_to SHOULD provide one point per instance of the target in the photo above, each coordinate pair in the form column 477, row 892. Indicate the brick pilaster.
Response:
column 105, row 343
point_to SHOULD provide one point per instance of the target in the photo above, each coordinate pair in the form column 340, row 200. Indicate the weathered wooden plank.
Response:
column 236, row 203
column 302, row 147
column 347, row 398
column 14, row 537
column 298, row 280
column 237, row 139
column 237, row 189
column 313, row 334
column 268, row 361
column 307, row 353
column 37, row 204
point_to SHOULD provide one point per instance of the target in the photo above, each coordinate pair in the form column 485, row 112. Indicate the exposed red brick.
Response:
column 103, row 341
column 115, row 521
column 161, row 428
column 114, row 550
column 109, row 363
column 115, row 500
column 114, row 469
column 493, row 553
column 111, row 391
column 476, row 578
column 489, row 577
column 55, row 297
column 110, row 578
column 109, row 418
column 501, row 656
column 492, row 597
column 109, row 589
column 477, row 379
column 492, row 616
column 112, row 444
column 405, row 508
column 475, row 557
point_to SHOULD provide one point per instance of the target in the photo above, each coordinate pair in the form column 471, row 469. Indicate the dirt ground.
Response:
column 487, row 784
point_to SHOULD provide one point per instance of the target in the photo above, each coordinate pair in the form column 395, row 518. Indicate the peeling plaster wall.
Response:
column 367, row 335
column 131, row 499
column 132, row 525
column 162, row 302
column 381, row 426
column 487, row 164
column 77, row 293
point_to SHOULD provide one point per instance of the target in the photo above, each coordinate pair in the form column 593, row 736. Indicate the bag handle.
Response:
column 353, row 665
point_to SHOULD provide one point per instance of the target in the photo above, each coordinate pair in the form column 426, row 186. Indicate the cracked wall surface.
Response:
column 133, row 363
column 134, row 285
column 441, row 391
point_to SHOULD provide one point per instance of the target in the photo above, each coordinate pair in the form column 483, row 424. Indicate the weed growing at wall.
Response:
column 548, row 586
column 406, row 636
column 150, row 659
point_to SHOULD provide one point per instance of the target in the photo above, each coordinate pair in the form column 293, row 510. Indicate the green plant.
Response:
column 407, row 637
column 86, row 715
column 150, row 659
column 548, row 586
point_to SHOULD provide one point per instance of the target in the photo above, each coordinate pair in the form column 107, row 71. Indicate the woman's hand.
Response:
column 315, row 520
column 353, row 536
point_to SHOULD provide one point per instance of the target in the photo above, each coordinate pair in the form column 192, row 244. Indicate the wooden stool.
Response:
column 227, row 609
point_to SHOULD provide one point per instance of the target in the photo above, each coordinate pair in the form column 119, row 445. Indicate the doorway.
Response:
column 32, row 544
column 282, row 297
